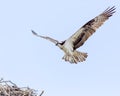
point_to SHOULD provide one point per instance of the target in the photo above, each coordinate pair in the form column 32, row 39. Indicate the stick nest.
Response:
column 8, row 88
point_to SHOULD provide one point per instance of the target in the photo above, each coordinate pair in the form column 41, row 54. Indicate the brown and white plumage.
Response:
column 70, row 45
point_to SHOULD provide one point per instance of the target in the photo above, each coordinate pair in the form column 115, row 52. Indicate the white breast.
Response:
column 68, row 47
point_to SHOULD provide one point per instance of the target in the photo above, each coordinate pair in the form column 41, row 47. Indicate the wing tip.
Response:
column 109, row 11
column 34, row 33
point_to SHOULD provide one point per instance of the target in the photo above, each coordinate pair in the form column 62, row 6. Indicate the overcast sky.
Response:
column 31, row 61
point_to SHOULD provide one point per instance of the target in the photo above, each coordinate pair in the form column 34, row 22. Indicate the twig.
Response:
column 41, row 93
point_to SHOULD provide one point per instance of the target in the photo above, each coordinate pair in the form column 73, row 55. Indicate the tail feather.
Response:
column 76, row 57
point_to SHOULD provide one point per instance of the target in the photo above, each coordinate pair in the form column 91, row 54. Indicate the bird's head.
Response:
column 60, row 44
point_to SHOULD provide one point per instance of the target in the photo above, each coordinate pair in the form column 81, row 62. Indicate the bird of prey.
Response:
column 70, row 45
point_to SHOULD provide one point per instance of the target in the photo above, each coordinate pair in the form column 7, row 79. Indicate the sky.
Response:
column 30, row 61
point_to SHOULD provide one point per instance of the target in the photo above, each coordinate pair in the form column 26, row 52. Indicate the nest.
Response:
column 8, row 88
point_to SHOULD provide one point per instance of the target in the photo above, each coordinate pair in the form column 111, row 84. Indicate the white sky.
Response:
column 30, row 61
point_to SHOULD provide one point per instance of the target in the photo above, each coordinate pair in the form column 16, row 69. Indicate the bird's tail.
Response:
column 76, row 57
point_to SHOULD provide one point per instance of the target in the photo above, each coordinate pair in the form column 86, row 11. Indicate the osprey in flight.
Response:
column 70, row 45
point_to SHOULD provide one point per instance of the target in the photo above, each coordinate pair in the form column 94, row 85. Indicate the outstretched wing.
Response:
column 47, row 38
column 90, row 27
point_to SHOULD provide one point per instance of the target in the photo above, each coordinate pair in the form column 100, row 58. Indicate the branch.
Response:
column 41, row 93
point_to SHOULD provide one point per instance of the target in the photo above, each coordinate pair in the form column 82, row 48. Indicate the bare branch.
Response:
column 41, row 93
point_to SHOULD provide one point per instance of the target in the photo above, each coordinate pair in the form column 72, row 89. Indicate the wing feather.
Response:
column 90, row 27
column 47, row 38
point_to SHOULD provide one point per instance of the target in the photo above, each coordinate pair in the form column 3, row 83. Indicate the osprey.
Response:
column 70, row 45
